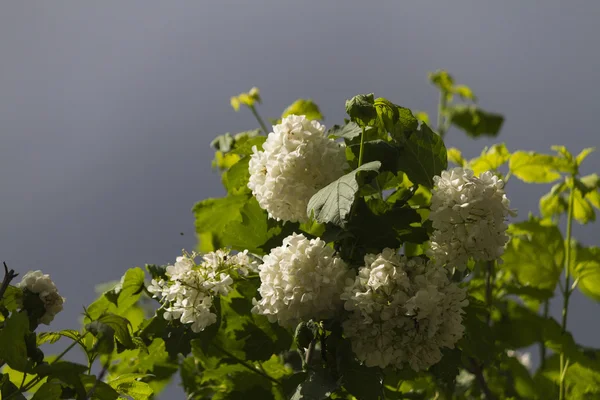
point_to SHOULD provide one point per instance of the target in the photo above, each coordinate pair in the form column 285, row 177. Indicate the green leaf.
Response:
column 422, row 155
column 235, row 179
column 252, row 231
column 361, row 109
column 244, row 145
column 48, row 391
column 537, row 168
column 553, row 203
column 442, row 80
column 304, row 107
column 348, row 131
column 371, row 232
column 588, row 183
column 98, row 390
column 128, row 385
column 67, row 372
column 535, row 253
column 53, row 337
column 334, row 202
column 16, row 327
column 476, row 122
column 246, row 335
column 478, row 341
column 379, row 150
column 212, row 215
column 130, row 289
column 11, row 299
column 319, row 385
column 362, row 382
column 582, row 209
column 490, row 159
column 583, row 155
column 455, row 157
column 586, row 270
column 157, row 271
column 9, row 390
column 518, row 327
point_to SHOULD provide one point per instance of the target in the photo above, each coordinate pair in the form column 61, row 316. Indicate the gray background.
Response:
column 107, row 108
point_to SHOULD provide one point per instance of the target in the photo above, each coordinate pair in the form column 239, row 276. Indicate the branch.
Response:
column 9, row 275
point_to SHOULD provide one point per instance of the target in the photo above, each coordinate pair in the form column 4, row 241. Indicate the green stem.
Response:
column 442, row 104
column 362, row 145
column 23, row 380
column 259, row 119
column 564, row 362
column 542, row 344
column 246, row 365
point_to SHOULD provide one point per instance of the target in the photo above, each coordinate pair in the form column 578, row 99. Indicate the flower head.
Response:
column 297, row 161
column 469, row 217
column 402, row 311
column 39, row 283
column 191, row 287
column 300, row 280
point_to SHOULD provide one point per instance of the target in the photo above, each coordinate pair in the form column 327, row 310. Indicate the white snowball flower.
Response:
column 300, row 280
column 39, row 283
column 469, row 217
column 402, row 311
column 190, row 289
column 296, row 162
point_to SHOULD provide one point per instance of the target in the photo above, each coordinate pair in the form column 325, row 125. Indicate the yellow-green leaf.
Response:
column 584, row 153
column 455, row 156
column 586, row 269
column 582, row 209
column 594, row 198
column 305, row 107
column 535, row 253
column 537, row 168
column 490, row 159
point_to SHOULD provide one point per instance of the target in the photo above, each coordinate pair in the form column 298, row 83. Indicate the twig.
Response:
column 9, row 275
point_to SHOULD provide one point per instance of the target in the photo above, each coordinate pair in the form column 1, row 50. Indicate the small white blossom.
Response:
column 296, row 162
column 300, row 280
column 402, row 311
column 190, row 289
column 469, row 218
column 39, row 283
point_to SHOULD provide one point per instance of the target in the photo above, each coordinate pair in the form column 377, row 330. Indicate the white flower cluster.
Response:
column 469, row 217
column 191, row 287
column 39, row 283
column 402, row 311
column 296, row 162
column 300, row 280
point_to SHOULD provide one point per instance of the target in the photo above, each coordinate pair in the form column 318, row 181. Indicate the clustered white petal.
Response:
column 39, row 283
column 300, row 280
column 191, row 287
column 469, row 217
column 296, row 162
column 402, row 311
